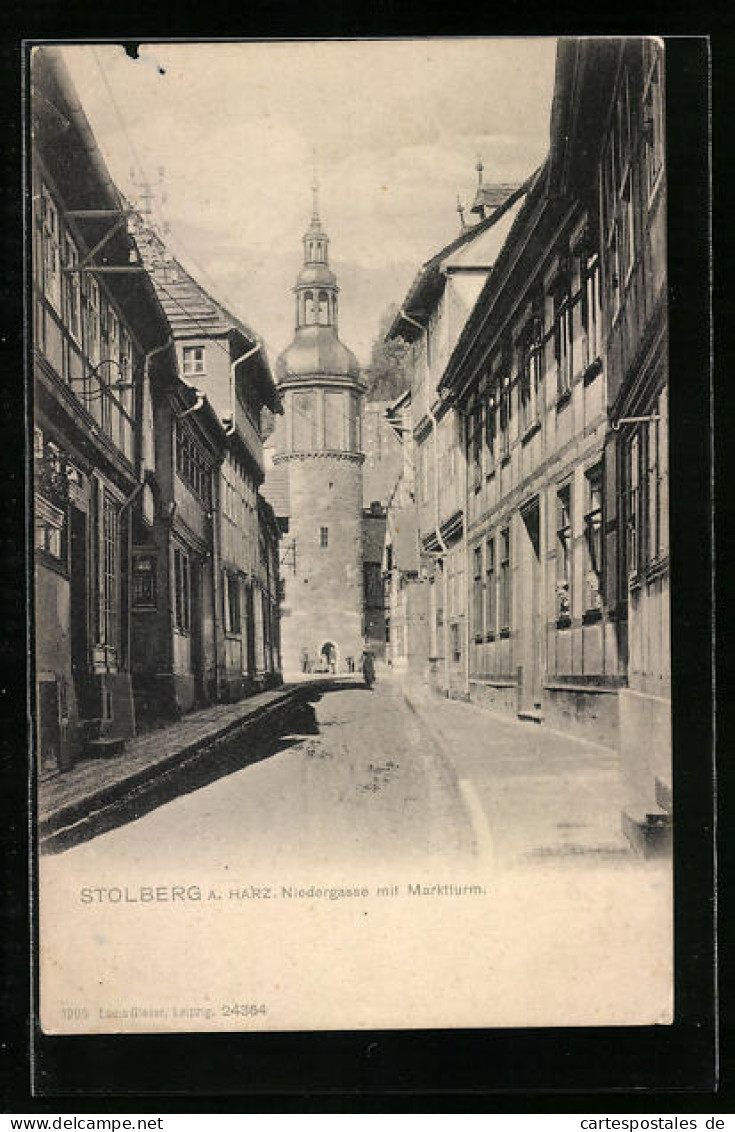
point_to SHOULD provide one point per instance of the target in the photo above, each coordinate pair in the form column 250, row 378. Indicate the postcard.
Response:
column 351, row 535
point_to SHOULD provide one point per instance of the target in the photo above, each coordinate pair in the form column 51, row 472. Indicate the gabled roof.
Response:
column 537, row 193
column 429, row 282
column 492, row 196
column 193, row 312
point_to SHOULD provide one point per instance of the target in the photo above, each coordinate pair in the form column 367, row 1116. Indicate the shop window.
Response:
column 144, row 581
column 232, row 603
column 109, row 550
column 593, row 540
column 456, row 642
column 563, row 556
column 633, row 505
column 490, row 589
column 477, row 603
column 505, row 594
column 182, row 591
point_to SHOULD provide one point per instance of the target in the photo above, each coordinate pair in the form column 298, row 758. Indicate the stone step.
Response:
column 105, row 748
column 531, row 715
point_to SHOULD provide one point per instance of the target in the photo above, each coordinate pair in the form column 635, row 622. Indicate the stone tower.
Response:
column 320, row 448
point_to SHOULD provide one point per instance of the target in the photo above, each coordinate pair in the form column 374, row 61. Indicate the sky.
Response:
column 229, row 135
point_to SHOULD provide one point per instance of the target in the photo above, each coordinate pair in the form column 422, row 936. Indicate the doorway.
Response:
column 531, row 636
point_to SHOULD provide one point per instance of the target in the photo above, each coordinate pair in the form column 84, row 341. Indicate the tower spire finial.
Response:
column 315, row 197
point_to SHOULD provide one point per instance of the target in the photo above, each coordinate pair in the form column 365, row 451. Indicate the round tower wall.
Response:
column 323, row 596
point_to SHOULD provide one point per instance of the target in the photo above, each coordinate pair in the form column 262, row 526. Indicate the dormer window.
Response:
column 193, row 360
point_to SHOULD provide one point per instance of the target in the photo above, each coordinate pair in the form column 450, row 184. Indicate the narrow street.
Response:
column 392, row 776
column 396, row 842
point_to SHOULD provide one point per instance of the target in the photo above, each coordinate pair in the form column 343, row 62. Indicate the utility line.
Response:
column 345, row 418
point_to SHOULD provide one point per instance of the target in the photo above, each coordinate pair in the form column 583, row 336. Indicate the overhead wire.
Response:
column 141, row 169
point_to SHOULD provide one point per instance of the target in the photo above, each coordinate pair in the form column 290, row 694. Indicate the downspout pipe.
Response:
column 127, row 504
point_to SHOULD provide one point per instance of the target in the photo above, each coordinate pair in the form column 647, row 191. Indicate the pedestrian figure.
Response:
column 368, row 668
column 304, row 660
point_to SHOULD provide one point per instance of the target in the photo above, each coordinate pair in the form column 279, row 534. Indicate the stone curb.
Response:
column 80, row 810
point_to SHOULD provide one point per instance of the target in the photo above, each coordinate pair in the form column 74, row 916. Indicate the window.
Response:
column 193, row 360
column 627, row 225
column 334, row 421
column 657, row 485
column 614, row 279
column 474, row 442
column 490, row 424
column 309, row 308
column 653, row 115
column 72, row 291
column 49, row 524
column 182, row 594
column 477, row 610
column 504, row 610
column 505, row 413
column 531, row 363
column 490, row 589
column 563, row 556
column 92, row 320
column 109, row 571
column 51, row 250
column 633, row 508
column 563, row 339
column 232, row 603
column 144, row 580
column 126, row 372
column 456, row 646
column 591, row 308
column 304, row 422
column 593, row 540
column 194, row 469
column 323, row 308
column 324, row 536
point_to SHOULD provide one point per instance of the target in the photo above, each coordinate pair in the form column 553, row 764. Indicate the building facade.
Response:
column 560, row 379
column 99, row 334
column 405, row 576
column 209, row 466
column 431, row 319
column 319, row 446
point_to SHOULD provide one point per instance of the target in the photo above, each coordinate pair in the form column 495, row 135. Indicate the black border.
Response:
column 369, row 1071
